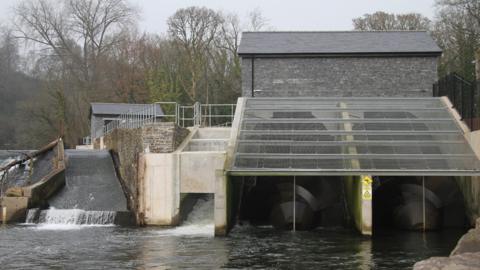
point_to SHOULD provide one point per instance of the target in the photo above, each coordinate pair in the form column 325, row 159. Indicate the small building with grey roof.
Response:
column 103, row 113
column 338, row 63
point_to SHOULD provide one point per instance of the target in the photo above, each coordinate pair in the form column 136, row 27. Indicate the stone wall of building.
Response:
column 340, row 76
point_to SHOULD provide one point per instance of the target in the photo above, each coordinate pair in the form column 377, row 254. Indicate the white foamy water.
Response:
column 69, row 219
column 66, row 227
column 199, row 222
column 5, row 162
column 76, row 216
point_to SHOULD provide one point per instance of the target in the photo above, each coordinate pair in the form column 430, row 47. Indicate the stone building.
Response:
column 349, row 63
column 103, row 113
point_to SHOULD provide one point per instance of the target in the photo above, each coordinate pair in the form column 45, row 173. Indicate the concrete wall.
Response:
column 223, row 188
column 470, row 185
column 340, row 76
column 200, row 157
column 470, row 188
column 16, row 208
column 163, row 178
column 159, row 188
column 197, row 171
column 473, row 139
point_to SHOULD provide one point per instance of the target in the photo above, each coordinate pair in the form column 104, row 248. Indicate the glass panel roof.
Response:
column 394, row 136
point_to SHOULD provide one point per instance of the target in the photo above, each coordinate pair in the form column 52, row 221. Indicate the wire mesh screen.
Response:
column 352, row 135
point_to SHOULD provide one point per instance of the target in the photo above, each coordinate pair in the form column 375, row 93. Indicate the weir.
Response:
column 92, row 193
column 70, row 217
column 90, row 183
column 86, row 192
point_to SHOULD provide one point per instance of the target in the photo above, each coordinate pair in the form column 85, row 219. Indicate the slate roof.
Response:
column 338, row 42
column 119, row 108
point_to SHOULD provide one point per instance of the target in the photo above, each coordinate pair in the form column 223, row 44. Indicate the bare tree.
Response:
column 382, row 21
column 74, row 37
column 458, row 33
column 194, row 29
column 256, row 21
column 77, row 32
column 472, row 7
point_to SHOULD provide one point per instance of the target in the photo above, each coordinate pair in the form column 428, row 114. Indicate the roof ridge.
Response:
column 340, row 31
column 119, row 103
column 316, row 42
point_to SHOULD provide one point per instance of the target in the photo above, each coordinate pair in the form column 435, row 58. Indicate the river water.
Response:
column 192, row 245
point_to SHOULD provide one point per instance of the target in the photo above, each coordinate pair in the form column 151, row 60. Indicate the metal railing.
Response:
column 217, row 114
column 198, row 114
column 463, row 95
column 137, row 118
column 87, row 140
column 189, row 115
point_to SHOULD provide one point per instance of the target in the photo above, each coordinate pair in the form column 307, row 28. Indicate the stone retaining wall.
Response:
column 126, row 145
column 163, row 137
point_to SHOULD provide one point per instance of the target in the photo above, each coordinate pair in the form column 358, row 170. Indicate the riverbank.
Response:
column 466, row 254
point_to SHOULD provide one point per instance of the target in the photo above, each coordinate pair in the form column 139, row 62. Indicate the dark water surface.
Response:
column 83, row 247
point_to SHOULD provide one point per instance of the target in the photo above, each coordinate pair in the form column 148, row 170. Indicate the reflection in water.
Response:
column 365, row 255
column 25, row 247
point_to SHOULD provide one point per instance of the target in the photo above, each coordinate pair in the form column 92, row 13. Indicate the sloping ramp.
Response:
column 90, row 183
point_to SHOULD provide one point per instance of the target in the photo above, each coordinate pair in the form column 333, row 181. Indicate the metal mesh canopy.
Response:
column 348, row 136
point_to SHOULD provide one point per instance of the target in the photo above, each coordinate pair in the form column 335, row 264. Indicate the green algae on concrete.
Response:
column 359, row 202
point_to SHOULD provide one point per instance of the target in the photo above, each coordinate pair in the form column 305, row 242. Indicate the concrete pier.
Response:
column 159, row 190
column 359, row 194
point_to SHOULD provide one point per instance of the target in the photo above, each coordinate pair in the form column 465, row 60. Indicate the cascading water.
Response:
column 200, row 221
column 26, row 173
column 16, row 174
column 70, row 217
column 32, row 215
column 92, row 195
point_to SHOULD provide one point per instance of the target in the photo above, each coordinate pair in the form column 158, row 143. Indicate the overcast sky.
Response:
column 282, row 15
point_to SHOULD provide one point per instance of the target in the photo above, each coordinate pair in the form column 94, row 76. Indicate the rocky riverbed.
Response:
column 466, row 254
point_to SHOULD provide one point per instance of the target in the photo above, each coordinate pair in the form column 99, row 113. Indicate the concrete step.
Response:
column 206, row 145
column 209, row 140
column 212, row 133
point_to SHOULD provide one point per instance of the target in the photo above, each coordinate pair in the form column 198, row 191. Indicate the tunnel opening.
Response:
column 414, row 203
column 418, row 203
column 292, row 203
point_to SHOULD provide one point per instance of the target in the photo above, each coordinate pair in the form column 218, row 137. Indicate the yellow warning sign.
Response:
column 367, row 195
column 367, row 180
column 367, row 187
